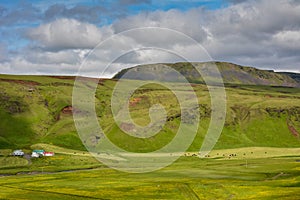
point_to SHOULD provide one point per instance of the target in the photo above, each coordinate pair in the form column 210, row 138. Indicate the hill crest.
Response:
column 231, row 74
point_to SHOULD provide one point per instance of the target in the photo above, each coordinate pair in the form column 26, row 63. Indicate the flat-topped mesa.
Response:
column 231, row 74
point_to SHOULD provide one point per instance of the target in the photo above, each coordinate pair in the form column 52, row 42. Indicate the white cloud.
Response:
column 20, row 65
column 250, row 33
column 62, row 57
column 68, row 34
column 190, row 23
column 289, row 39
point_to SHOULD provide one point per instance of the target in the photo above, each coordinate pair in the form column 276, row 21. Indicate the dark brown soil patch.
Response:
column 67, row 110
column 134, row 101
column 293, row 130
column 23, row 82
column 127, row 126
column 64, row 77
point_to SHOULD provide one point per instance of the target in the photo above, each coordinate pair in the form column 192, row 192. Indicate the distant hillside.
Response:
column 38, row 109
column 294, row 76
column 231, row 74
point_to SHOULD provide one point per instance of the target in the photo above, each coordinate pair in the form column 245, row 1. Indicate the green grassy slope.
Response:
column 31, row 108
column 31, row 112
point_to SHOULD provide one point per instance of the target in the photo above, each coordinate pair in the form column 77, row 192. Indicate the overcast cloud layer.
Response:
column 262, row 33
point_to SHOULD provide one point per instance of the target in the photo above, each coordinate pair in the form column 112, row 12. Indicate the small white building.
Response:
column 48, row 153
column 35, row 155
column 18, row 153
column 41, row 153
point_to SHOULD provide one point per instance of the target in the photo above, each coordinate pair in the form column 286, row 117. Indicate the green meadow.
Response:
column 256, row 157
column 187, row 178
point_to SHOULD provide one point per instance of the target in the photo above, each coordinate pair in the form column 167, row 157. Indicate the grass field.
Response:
column 187, row 178
column 253, row 173
column 256, row 157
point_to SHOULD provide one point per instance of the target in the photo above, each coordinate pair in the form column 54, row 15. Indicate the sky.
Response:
column 56, row 37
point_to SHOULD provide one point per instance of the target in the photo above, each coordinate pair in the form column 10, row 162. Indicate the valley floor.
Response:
column 262, row 173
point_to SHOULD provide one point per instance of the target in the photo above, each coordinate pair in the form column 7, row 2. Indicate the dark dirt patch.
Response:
column 127, row 126
column 64, row 77
column 23, row 82
column 60, row 84
column 67, row 110
column 293, row 130
column 134, row 101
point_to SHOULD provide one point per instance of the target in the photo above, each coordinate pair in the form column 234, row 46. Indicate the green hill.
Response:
column 38, row 109
column 231, row 74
